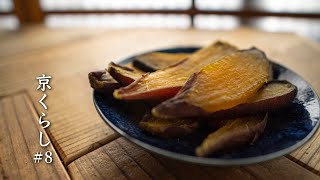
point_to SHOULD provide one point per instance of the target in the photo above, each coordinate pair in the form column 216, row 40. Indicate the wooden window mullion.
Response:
column 28, row 11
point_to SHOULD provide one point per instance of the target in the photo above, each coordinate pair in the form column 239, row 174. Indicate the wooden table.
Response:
column 83, row 146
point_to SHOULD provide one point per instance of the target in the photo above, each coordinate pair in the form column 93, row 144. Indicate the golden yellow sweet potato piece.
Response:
column 157, row 60
column 234, row 133
column 230, row 81
column 165, row 83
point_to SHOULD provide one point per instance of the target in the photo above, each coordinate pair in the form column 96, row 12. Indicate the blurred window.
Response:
column 221, row 5
column 7, row 18
column 6, row 6
column 216, row 22
column 290, row 6
column 114, row 4
column 119, row 21
column 299, row 16
column 9, row 22
column 303, row 26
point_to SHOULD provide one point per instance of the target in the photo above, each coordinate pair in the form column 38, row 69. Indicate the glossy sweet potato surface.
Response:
column 151, row 62
column 230, row 81
column 163, row 84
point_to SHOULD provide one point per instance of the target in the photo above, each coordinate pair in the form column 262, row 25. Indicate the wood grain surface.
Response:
column 37, row 37
column 19, row 141
column 77, row 129
column 121, row 159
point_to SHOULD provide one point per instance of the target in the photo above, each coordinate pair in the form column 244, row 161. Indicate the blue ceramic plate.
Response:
column 286, row 130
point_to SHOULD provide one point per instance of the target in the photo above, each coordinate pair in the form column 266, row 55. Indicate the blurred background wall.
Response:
column 298, row 16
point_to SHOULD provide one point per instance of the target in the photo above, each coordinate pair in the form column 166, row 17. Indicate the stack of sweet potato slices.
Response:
column 229, row 89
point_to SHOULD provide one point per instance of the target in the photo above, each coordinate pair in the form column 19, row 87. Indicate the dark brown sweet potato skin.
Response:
column 265, row 105
column 123, row 74
column 101, row 81
column 232, row 134
column 151, row 62
column 168, row 128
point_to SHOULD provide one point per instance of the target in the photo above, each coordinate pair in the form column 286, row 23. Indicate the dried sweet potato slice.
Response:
column 157, row 60
column 122, row 74
column 168, row 128
column 165, row 83
column 230, row 81
column 274, row 95
column 234, row 133
column 102, row 81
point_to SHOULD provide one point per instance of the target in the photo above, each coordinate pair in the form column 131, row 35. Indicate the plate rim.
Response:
column 206, row 160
